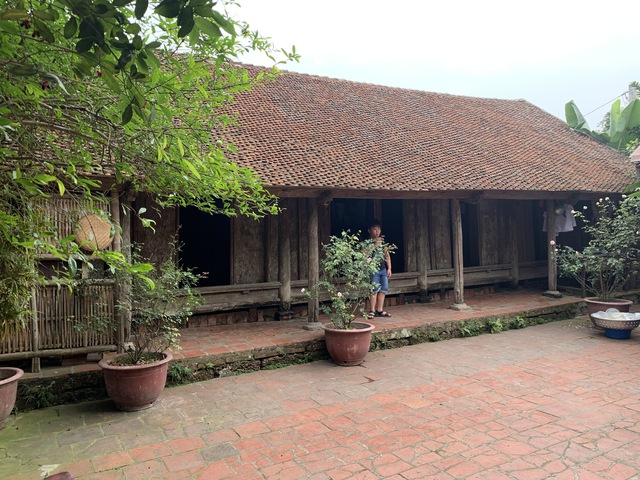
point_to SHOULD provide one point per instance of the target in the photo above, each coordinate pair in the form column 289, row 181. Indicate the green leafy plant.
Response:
column 517, row 323
column 622, row 123
column 160, row 303
column 37, row 396
column 345, row 276
column 178, row 374
column 495, row 325
column 470, row 328
column 612, row 254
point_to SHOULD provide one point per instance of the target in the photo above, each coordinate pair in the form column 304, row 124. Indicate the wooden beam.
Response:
column 422, row 248
column 458, row 258
column 313, row 308
column 124, row 292
column 467, row 195
column 35, row 333
column 552, row 271
column 284, row 262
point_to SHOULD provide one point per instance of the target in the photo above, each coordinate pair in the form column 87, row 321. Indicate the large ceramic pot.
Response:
column 348, row 347
column 9, row 377
column 135, row 387
column 594, row 305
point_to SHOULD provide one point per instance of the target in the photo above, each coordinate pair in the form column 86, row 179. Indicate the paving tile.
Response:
column 552, row 401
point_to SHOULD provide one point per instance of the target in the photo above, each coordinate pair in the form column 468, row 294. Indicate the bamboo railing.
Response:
column 63, row 322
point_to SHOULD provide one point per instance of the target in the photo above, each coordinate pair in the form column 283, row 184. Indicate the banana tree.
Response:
column 622, row 122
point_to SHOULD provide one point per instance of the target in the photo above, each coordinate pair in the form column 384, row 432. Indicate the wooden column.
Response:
column 114, row 208
column 120, row 289
column 35, row 331
column 552, row 270
column 422, row 248
column 284, row 263
column 458, row 259
column 314, row 259
column 124, row 290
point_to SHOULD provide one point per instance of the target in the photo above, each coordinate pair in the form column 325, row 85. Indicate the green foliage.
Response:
column 612, row 255
column 433, row 336
column 623, row 125
column 345, row 275
column 470, row 328
column 132, row 91
column 517, row 323
column 37, row 396
column 178, row 374
column 159, row 307
column 495, row 325
column 17, row 277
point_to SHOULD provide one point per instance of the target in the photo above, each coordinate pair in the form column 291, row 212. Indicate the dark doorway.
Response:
column 393, row 231
column 356, row 215
column 470, row 247
column 206, row 245
column 353, row 215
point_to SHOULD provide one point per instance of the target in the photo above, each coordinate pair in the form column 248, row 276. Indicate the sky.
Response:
column 546, row 51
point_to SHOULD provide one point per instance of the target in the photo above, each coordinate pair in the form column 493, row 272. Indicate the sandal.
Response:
column 382, row 314
column 371, row 314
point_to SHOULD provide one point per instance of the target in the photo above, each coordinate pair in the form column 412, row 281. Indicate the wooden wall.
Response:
column 504, row 228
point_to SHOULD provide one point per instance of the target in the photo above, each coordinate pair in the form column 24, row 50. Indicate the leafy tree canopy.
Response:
column 127, row 92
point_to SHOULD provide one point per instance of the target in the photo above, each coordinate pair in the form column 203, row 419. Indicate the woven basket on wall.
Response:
column 93, row 232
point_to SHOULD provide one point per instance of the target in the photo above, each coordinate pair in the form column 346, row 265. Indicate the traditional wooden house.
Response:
column 461, row 185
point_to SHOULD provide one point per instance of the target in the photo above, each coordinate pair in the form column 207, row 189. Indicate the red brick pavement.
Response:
column 559, row 401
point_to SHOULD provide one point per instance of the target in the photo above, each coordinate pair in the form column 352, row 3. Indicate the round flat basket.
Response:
column 93, row 232
column 615, row 324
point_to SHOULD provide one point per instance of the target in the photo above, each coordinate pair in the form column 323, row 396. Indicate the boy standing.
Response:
column 380, row 279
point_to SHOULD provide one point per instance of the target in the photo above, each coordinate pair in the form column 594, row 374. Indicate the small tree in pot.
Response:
column 611, row 256
column 346, row 269
column 160, row 304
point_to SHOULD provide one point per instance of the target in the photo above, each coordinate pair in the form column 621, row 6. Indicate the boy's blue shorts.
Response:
column 380, row 281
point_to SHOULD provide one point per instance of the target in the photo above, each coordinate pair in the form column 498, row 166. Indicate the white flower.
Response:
column 606, row 198
column 584, row 208
column 339, row 294
column 624, row 196
column 552, row 242
column 303, row 290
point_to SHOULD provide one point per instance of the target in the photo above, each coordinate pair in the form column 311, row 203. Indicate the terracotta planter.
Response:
column 9, row 377
column 135, row 387
column 594, row 305
column 348, row 347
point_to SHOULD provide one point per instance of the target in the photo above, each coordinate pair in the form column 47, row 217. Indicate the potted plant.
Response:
column 611, row 256
column 160, row 303
column 345, row 277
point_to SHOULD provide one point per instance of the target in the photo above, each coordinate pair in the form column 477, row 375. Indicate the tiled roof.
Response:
column 314, row 132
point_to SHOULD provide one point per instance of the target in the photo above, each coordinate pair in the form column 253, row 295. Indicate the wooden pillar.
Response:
column 458, row 259
column 284, row 263
column 422, row 248
column 552, row 271
column 124, row 288
column 313, row 305
column 114, row 208
column 35, row 330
